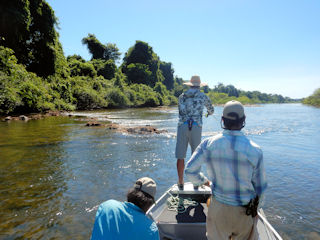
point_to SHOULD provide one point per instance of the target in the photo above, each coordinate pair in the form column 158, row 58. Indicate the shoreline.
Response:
column 55, row 113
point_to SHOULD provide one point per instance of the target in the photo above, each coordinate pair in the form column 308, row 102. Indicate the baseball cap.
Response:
column 233, row 110
column 146, row 185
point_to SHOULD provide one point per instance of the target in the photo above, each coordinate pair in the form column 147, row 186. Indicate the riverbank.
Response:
column 32, row 116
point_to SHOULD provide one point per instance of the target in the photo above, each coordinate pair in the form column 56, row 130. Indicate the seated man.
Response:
column 127, row 220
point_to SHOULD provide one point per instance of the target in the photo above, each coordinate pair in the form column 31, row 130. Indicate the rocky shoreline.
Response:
column 90, row 122
column 32, row 116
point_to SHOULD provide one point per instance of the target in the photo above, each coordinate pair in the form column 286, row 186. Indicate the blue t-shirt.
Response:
column 123, row 220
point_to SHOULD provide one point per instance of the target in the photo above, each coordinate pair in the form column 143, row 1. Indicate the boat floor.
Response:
column 191, row 224
column 193, row 214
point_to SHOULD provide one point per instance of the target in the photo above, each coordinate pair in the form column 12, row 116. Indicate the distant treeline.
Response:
column 314, row 99
column 35, row 75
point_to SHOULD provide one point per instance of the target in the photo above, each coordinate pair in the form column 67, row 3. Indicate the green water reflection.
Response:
column 32, row 177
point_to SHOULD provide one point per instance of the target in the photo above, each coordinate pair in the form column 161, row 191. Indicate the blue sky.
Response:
column 272, row 46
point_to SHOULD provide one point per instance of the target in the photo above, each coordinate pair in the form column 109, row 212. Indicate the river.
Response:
column 54, row 172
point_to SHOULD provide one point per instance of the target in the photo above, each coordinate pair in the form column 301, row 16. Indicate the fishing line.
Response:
column 180, row 204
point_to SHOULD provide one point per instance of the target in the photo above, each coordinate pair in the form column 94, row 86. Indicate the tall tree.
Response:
column 28, row 27
column 167, row 72
column 99, row 50
column 139, row 58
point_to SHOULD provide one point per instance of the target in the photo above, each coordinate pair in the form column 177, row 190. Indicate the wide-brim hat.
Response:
column 195, row 82
column 146, row 185
column 233, row 110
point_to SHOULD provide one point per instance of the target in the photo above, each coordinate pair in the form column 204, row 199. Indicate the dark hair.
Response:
column 141, row 199
column 229, row 124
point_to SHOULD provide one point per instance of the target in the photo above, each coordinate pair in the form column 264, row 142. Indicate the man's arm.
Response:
column 207, row 103
column 193, row 166
column 181, row 106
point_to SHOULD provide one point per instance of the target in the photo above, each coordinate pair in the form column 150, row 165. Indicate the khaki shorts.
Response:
column 225, row 221
column 184, row 136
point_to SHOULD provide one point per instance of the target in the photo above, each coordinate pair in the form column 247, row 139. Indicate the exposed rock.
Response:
column 93, row 124
column 53, row 113
column 8, row 118
column 113, row 126
column 23, row 118
column 36, row 116
column 144, row 130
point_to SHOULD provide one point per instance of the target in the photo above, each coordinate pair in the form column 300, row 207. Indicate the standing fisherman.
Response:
column 235, row 168
column 191, row 104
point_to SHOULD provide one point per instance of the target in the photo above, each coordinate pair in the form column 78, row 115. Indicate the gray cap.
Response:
column 146, row 185
column 233, row 110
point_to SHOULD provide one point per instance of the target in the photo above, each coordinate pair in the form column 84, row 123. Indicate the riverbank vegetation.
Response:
column 35, row 76
column 314, row 99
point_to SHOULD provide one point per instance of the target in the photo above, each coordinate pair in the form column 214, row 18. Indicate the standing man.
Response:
column 235, row 167
column 191, row 104
column 128, row 220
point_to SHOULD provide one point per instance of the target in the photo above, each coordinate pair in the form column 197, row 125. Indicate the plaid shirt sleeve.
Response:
column 193, row 167
column 259, row 181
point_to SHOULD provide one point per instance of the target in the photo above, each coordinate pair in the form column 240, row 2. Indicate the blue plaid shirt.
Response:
column 234, row 165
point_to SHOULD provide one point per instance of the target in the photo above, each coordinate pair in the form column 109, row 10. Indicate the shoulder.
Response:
column 210, row 141
column 111, row 204
column 255, row 146
column 202, row 95
column 253, row 149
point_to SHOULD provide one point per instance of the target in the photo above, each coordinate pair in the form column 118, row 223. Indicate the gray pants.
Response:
column 184, row 136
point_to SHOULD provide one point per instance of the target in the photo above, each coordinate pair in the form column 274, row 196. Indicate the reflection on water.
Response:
column 55, row 172
column 32, row 178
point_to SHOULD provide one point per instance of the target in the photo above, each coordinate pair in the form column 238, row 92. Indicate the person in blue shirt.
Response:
column 235, row 168
column 127, row 220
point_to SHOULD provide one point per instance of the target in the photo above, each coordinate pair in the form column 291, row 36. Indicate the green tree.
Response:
column 314, row 99
column 139, row 73
column 143, row 60
column 28, row 27
column 81, row 68
column 99, row 50
column 167, row 72
column 229, row 89
column 104, row 68
column 178, row 87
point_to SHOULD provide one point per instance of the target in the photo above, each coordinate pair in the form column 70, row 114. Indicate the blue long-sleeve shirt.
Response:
column 234, row 166
column 122, row 221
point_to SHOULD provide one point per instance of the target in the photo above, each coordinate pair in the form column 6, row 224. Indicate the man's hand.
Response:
column 208, row 183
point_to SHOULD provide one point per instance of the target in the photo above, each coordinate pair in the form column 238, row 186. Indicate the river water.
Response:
column 54, row 172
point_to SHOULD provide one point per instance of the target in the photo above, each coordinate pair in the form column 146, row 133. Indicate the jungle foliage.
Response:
column 35, row 75
column 314, row 99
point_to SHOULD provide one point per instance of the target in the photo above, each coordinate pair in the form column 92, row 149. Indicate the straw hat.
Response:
column 196, row 82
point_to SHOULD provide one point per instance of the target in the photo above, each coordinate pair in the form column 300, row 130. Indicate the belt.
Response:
column 190, row 123
column 194, row 123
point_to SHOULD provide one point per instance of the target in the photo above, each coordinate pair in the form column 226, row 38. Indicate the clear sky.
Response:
column 272, row 46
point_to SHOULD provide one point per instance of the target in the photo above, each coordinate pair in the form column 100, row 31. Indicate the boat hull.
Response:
column 191, row 222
